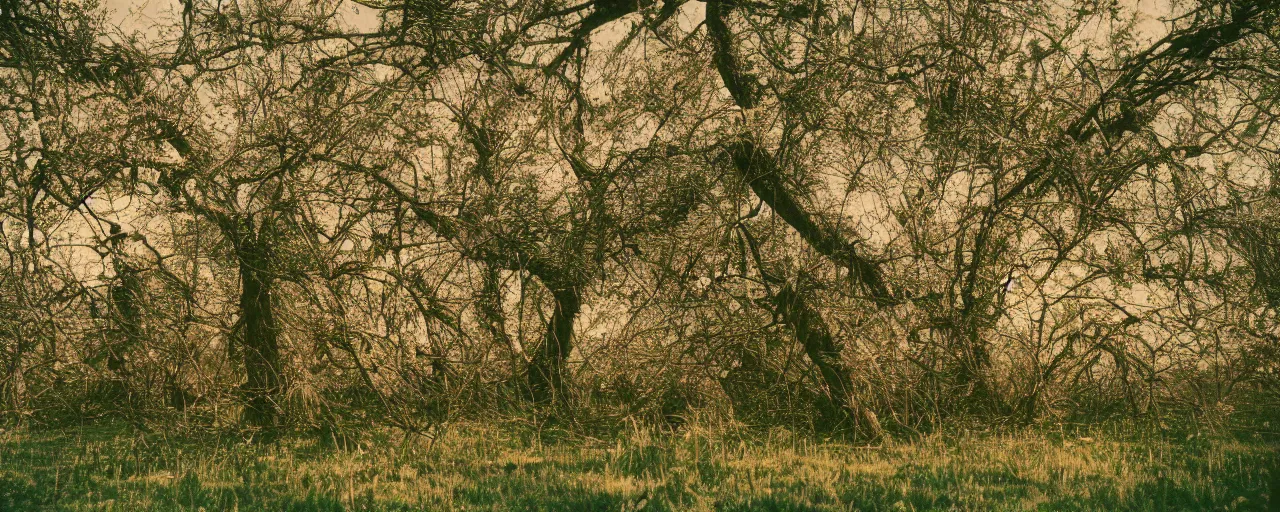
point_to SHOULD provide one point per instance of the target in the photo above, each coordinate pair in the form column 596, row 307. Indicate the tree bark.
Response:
column 815, row 337
column 125, row 297
column 975, row 360
column 489, row 306
column 821, row 348
column 264, row 382
column 546, row 370
column 13, row 389
column 761, row 173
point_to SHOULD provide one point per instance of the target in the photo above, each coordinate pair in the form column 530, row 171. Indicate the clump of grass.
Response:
column 472, row 466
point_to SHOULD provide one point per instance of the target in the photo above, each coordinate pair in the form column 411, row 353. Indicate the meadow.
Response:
column 478, row 466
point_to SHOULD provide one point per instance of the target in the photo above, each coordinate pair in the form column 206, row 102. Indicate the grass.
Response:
column 489, row 467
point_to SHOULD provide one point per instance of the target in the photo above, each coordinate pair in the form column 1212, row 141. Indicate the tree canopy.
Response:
column 851, row 216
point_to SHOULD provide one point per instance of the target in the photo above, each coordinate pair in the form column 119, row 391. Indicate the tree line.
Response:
column 852, row 216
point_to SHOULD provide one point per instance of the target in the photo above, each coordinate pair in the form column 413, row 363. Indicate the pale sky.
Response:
column 144, row 15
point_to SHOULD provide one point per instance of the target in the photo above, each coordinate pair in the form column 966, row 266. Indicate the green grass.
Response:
column 487, row 467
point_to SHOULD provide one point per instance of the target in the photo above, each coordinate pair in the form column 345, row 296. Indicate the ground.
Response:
column 471, row 466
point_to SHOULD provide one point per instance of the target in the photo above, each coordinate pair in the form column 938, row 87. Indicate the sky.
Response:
column 144, row 15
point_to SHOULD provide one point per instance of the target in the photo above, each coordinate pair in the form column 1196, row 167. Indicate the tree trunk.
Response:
column 546, row 370
column 489, row 307
column 261, row 331
column 13, row 389
column 974, row 390
column 19, row 334
column 125, row 296
column 126, row 333
column 814, row 335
